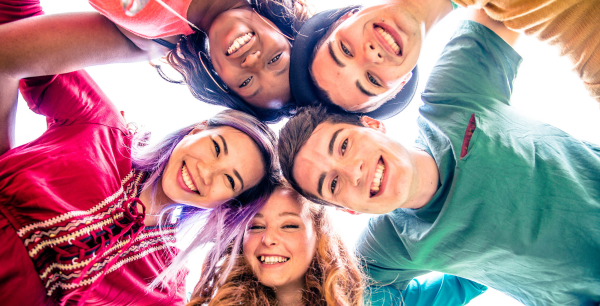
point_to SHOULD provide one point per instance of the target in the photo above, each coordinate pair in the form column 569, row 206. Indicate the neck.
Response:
column 290, row 295
column 427, row 12
column 426, row 181
column 202, row 13
column 153, row 204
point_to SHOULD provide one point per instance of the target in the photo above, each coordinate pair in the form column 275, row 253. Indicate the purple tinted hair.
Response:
column 154, row 160
column 209, row 226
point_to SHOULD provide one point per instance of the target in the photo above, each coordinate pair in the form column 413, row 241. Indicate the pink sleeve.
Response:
column 70, row 98
column 11, row 10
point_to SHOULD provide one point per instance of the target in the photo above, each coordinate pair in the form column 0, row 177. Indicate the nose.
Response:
column 372, row 53
column 270, row 237
column 252, row 60
column 352, row 169
column 206, row 174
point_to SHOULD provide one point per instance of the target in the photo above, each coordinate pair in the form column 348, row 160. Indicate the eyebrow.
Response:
column 337, row 61
column 320, row 187
column 332, row 141
column 254, row 94
column 288, row 213
column 285, row 213
column 330, row 151
column 364, row 90
column 282, row 71
column 237, row 174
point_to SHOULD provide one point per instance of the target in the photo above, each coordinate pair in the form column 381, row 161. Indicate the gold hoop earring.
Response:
column 200, row 54
column 274, row 28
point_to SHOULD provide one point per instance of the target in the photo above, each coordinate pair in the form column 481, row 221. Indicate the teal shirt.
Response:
column 443, row 290
column 519, row 212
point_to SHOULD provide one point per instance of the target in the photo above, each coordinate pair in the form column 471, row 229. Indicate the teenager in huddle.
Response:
column 237, row 55
column 79, row 206
column 290, row 254
column 486, row 193
column 356, row 59
column 234, row 53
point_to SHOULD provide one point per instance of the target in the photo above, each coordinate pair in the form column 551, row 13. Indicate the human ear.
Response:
column 407, row 78
column 349, row 211
column 198, row 128
column 373, row 123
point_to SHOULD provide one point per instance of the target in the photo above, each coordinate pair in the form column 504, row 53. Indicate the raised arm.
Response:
column 47, row 45
column 480, row 16
column 52, row 44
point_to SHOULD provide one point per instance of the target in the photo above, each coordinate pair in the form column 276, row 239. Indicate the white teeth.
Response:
column 239, row 42
column 187, row 179
column 389, row 39
column 376, row 184
column 269, row 260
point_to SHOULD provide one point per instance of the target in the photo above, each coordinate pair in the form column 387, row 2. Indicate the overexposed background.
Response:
column 546, row 89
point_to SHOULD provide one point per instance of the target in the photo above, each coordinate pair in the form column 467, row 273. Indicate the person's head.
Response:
column 358, row 59
column 289, row 244
column 346, row 160
column 243, row 62
column 230, row 156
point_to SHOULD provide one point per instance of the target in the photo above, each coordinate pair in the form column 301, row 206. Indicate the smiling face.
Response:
column 210, row 166
column 356, row 167
column 370, row 54
column 251, row 57
column 280, row 242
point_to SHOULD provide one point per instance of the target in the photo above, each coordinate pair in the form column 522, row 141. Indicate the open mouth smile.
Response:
column 271, row 260
column 378, row 178
column 187, row 179
column 390, row 40
column 239, row 42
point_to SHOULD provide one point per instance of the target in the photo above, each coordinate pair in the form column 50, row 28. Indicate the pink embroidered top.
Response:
column 153, row 21
column 68, row 207
column 68, row 215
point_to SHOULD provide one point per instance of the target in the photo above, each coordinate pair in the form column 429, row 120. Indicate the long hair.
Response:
column 219, row 224
column 333, row 277
column 287, row 15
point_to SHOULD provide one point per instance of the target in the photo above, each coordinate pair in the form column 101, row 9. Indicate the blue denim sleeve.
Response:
column 438, row 290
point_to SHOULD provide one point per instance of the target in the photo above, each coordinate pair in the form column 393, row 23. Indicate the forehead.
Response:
column 283, row 201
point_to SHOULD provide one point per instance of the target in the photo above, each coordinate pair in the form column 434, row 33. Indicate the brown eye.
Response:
column 217, row 148
column 246, row 82
column 231, row 181
column 373, row 80
column 344, row 145
column 333, row 184
column 344, row 49
column 275, row 59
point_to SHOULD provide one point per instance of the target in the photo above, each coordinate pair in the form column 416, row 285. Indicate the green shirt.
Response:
column 519, row 212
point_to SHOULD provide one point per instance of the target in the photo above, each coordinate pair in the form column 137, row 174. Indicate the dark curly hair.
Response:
column 287, row 15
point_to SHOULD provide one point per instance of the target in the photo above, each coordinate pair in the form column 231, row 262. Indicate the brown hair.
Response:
column 296, row 133
column 333, row 278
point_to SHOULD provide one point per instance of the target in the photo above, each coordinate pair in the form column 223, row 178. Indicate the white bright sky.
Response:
column 546, row 89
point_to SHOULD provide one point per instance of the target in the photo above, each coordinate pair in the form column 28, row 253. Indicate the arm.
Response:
column 53, row 44
column 8, row 112
column 480, row 16
column 440, row 290
column 47, row 45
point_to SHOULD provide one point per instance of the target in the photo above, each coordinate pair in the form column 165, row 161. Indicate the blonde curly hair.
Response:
column 333, row 277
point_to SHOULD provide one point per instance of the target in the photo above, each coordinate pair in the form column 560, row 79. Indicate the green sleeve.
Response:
column 439, row 290
column 386, row 258
column 476, row 66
